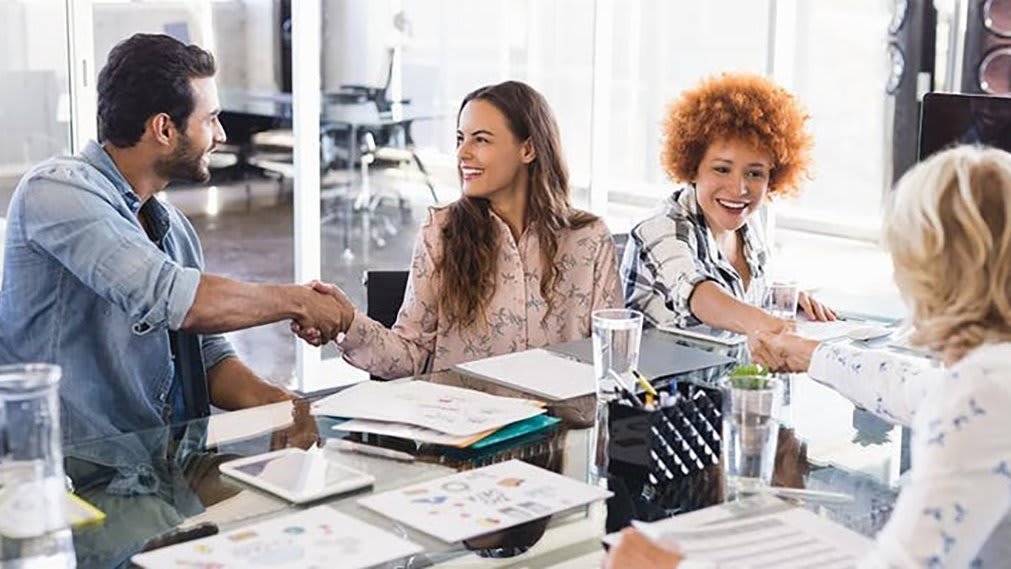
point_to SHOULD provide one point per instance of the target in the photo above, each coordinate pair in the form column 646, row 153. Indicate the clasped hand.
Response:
column 328, row 313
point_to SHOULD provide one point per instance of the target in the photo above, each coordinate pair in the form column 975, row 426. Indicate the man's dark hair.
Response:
column 147, row 74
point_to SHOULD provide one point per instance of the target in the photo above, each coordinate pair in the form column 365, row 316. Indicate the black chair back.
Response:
column 384, row 293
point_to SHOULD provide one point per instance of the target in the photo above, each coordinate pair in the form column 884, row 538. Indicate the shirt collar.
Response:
column 95, row 155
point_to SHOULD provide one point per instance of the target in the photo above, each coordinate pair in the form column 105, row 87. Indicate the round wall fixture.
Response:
column 995, row 72
column 997, row 17
column 896, row 67
column 899, row 10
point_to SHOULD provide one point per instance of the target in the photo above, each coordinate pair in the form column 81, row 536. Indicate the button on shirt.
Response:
column 670, row 253
column 424, row 339
column 86, row 288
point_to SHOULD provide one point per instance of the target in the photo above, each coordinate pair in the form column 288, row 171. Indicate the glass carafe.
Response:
column 34, row 531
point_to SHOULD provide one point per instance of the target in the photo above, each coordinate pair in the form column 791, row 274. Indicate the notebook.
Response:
column 539, row 372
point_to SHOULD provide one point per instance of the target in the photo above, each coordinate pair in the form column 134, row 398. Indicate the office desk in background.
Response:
column 824, row 450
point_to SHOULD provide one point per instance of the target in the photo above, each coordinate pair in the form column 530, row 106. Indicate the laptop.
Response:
column 949, row 119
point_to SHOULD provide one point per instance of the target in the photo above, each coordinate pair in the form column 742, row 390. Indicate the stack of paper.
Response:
column 772, row 534
column 538, row 372
column 318, row 537
column 484, row 500
column 425, row 412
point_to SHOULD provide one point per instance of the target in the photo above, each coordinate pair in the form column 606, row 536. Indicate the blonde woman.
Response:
column 949, row 233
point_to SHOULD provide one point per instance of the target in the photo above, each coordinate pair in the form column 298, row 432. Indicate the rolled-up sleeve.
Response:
column 108, row 252
column 668, row 267
column 214, row 348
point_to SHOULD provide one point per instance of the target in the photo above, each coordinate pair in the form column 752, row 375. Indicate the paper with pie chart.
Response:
column 484, row 500
column 317, row 537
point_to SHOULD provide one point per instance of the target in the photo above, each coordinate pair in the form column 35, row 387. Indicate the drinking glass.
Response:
column 750, row 431
column 616, row 337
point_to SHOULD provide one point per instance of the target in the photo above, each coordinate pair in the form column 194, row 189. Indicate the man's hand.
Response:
column 814, row 309
column 636, row 551
column 329, row 313
column 302, row 433
column 784, row 351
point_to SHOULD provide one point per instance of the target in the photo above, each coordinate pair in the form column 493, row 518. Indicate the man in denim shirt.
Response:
column 107, row 281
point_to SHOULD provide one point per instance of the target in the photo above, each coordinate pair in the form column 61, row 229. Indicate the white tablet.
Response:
column 296, row 475
column 707, row 333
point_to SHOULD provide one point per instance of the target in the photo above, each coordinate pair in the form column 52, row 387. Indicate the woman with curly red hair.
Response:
column 735, row 140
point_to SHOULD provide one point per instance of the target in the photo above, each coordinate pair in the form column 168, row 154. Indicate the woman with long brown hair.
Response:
column 510, row 265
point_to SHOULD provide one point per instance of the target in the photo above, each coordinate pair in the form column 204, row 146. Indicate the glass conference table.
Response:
column 825, row 444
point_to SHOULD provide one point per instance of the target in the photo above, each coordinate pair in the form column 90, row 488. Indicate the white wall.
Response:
column 242, row 35
column 33, row 75
column 356, row 34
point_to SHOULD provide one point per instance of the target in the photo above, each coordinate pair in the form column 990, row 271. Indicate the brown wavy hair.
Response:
column 744, row 107
column 469, row 256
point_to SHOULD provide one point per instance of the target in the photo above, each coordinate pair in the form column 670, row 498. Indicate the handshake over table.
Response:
column 326, row 314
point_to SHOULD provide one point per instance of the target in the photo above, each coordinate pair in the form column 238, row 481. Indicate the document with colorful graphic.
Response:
column 311, row 538
column 482, row 501
column 452, row 410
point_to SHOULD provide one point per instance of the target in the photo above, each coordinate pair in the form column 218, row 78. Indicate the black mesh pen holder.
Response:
column 666, row 461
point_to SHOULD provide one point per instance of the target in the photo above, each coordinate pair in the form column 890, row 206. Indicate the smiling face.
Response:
column 732, row 181
column 490, row 159
column 189, row 159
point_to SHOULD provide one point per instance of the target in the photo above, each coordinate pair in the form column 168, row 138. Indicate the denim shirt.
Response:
column 84, row 287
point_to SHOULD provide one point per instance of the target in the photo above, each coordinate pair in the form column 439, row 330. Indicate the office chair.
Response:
column 384, row 295
column 391, row 145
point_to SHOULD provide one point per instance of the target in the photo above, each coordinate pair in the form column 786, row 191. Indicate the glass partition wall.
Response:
column 346, row 191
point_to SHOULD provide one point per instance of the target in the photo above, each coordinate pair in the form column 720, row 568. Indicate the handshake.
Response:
column 781, row 351
column 324, row 312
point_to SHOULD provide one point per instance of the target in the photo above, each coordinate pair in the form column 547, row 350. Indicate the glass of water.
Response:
column 780, row 299
column 750, row 431
column 33, row 524
column 616, row 336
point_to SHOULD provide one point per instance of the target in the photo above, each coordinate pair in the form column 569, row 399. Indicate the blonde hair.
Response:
column 948, row 228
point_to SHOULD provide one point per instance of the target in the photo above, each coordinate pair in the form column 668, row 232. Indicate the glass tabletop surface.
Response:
column 170, row 477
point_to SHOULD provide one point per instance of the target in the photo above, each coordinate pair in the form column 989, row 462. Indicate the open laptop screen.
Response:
column 948, row 119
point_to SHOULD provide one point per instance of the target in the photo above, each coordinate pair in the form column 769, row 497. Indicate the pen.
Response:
column 369, row 450
column 804, row 494
column 644, row 383
column 624, row 388
column 175, row 536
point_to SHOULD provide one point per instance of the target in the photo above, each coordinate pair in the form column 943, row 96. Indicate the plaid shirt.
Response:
column 672, row 251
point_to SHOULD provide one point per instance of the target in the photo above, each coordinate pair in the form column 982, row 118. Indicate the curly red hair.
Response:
column 744, row 107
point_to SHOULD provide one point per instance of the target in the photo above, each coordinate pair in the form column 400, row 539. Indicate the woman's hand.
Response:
column 784, row 351
column 345, row 315
column 636, row 551
column 815, row 310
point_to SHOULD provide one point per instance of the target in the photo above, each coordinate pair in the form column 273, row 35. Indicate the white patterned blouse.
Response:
column 954, row 509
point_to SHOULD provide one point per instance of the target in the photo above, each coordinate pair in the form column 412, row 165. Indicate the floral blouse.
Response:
column 955, row 508
column 423, row 339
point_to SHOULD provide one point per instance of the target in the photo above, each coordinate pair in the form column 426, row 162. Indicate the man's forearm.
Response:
column 232, row 385
column 225, row 305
